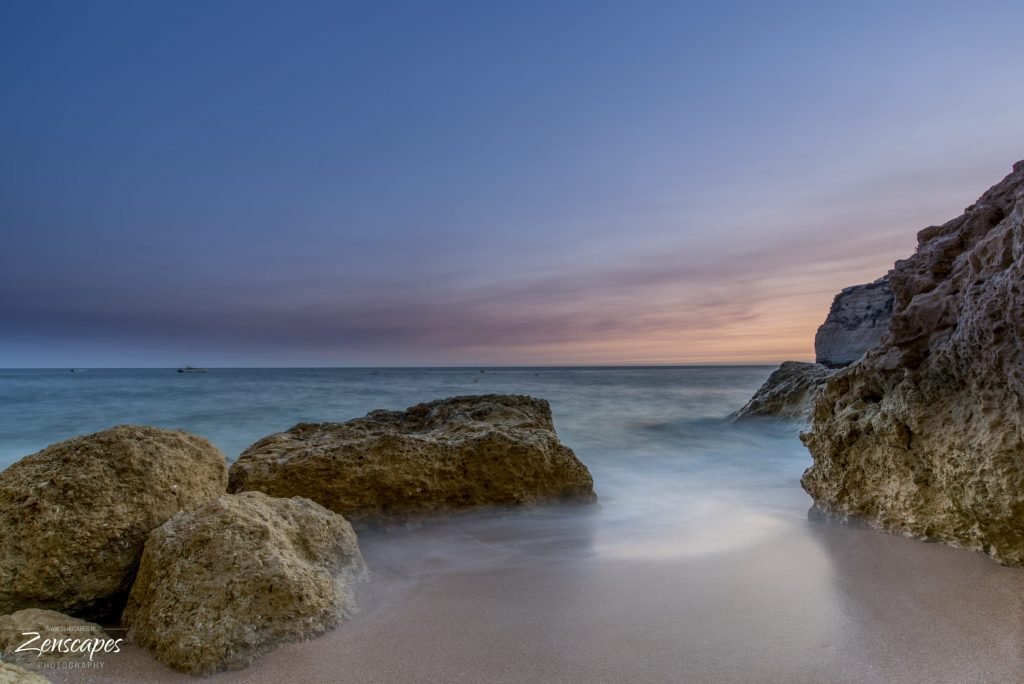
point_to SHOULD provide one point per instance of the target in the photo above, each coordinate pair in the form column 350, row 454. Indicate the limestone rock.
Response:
column 924, row 435
column 74, row 516
column 48, row 624
column 12, row 674
column 226, row 581
column 858, row 318
column 788, row 393
column 457, row 453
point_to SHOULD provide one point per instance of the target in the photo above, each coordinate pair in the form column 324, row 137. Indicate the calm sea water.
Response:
column 625, row 410
column 655, row 439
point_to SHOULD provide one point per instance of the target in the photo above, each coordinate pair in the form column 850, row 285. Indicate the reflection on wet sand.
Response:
column 629, row 591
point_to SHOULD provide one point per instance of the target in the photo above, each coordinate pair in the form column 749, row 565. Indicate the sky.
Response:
column 478, row 183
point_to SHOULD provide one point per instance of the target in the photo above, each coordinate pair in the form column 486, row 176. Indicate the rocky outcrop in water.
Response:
column 788, row 393
column 224, row 582
column 51, row 625
column 924, row 435
column 858, row 318
column 446, row 455
column 74, row 516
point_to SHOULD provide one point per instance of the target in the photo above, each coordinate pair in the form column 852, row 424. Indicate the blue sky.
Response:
column 331, row 183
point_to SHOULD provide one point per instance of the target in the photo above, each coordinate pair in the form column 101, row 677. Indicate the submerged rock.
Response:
column 238, row 575
column 490, row 450
column 74, row 516
column 49, row 624
column 858, row 318
column 788, row 393
column 924, row 435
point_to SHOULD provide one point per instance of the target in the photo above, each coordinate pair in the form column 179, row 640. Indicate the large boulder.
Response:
column 858, row 318
column 457, row 453
column 226, row 581
column 924, row 435
column 12, row 674
column 788, row 393
column 81, row 640
column 74, row 516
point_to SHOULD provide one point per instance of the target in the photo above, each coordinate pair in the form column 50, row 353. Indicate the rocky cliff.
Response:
column 924, row 435
column 858, row 318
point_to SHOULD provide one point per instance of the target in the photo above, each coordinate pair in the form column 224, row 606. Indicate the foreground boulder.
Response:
column 74, row 516
column 788, row 393
column 224, row 582
column 92, row 642
column 12, row 674
column 858, row 318
column 924, row 436
column 451, row 454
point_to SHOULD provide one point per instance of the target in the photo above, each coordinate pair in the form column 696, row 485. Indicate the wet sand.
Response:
column 699, row 564
column 551, row 597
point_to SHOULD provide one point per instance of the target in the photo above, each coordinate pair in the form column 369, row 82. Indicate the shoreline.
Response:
column 816, row 602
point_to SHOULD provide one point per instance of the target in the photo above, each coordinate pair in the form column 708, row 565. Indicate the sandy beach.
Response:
column 548, row 597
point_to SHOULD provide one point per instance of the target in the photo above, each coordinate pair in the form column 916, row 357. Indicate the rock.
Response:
column 788, row 393
column 924, row 436
column 12, row 674
column 226, row 581
column 50, row 625
column 457, row 453
column 74, row 516
column 858, row 318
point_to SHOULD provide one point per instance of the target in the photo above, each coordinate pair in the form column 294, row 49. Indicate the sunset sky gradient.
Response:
column 414, row 183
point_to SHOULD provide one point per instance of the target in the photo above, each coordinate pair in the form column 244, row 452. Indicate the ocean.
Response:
column 656, row 439
column 628, row 411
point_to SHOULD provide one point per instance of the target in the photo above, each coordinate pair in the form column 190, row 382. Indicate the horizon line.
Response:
column 709, row 364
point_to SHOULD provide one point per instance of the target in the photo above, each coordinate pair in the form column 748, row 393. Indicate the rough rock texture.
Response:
column 445, row 455
column 12, row 674
column 74, row 516
column 923, row 436
column 48, row 624
column 858, row 318
column 226, row 581
column 788, row 393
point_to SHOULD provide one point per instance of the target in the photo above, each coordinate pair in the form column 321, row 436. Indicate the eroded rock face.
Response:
column 858, row 318
column 51, row 625
column 224, row 582
column 74, row 516
column 924, row 436
column 457, row 453
column 788, row 393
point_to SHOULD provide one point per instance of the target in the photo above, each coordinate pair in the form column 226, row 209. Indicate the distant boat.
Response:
column 190, row 369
